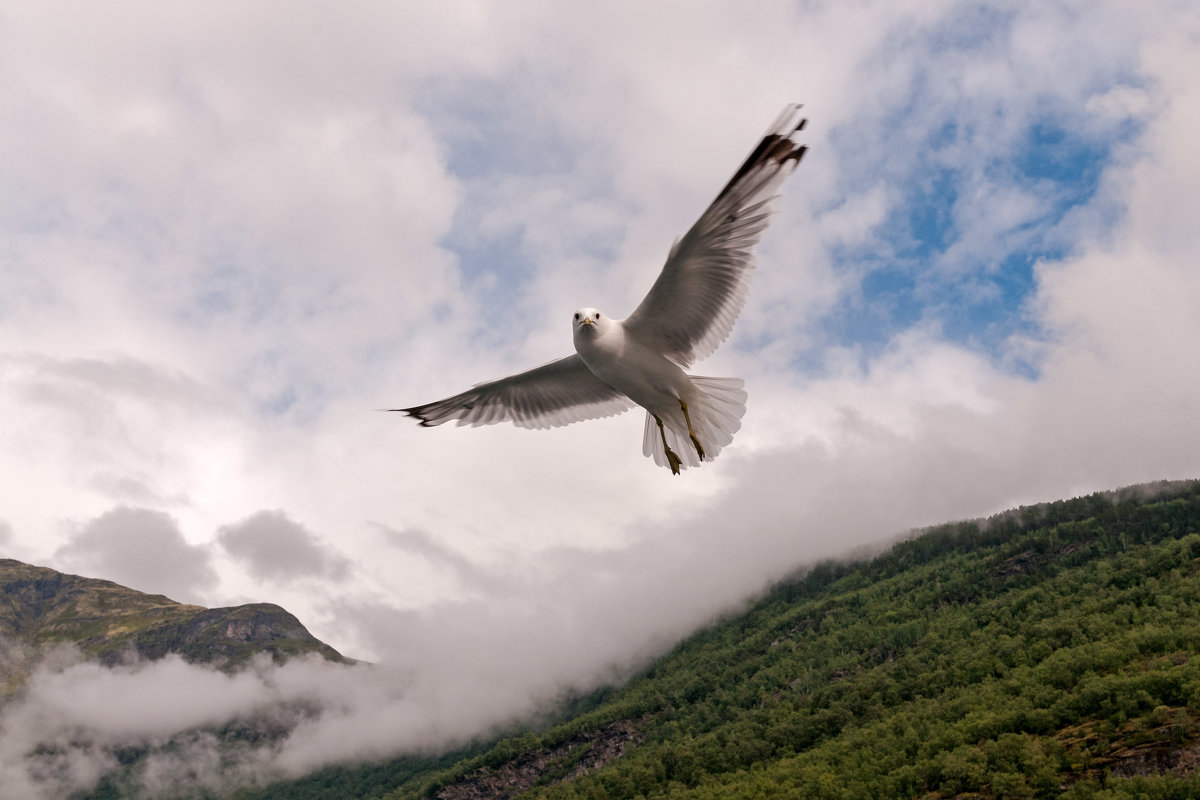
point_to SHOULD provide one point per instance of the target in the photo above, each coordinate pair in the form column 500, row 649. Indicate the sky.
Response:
column 230, row 235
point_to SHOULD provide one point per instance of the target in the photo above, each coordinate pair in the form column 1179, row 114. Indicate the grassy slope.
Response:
column 40, row 607
column 1050, row 650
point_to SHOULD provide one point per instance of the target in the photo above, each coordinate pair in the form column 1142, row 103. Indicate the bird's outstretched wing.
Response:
column 692, row 306
column 557, row 393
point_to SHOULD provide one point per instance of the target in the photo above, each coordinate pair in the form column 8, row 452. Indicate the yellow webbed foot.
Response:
column 672, row 459
column 692, row 433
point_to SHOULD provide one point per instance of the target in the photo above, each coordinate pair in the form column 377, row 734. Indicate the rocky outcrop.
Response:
column 40, row 608
column 547, row 766
column 232, row 635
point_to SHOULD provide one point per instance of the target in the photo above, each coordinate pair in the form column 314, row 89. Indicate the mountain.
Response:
column 40, row 608
column 1049, row 651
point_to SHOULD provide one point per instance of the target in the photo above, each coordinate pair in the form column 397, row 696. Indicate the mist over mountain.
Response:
column 1048, row 651
column 1045, row 650
column 93, row 673
column 43, row 610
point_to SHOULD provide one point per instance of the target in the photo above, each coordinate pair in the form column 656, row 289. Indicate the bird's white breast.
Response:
column 648, row 378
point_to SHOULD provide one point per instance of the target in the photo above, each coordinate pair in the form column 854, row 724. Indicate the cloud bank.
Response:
column 275, row 548
column 140, row 548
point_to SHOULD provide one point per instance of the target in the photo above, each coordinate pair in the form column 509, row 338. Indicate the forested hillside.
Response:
column 1053, row 650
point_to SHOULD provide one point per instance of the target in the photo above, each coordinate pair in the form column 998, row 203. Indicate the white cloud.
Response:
column 277, row 548
column 140, row 548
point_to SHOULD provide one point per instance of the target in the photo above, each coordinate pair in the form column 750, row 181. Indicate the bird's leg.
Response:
column 691, row 433
column 672, row 459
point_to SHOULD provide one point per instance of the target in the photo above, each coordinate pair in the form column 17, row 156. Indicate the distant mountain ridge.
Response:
column 40, row 608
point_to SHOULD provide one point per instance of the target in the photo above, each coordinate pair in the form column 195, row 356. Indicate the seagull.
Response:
column 640, row 360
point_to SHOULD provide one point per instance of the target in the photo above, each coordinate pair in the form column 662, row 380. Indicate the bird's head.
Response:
column 588, row 320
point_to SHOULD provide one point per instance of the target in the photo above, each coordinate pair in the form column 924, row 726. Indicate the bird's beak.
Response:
column 588, row 321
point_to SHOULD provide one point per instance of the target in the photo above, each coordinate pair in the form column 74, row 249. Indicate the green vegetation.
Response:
column 1049, row 651
column 40, row 608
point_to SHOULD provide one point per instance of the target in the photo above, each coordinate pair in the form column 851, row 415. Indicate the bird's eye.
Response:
column 576, row 316
column 597, row 315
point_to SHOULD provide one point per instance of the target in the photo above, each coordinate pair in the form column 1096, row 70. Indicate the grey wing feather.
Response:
column 557, row 393
column 700, row 292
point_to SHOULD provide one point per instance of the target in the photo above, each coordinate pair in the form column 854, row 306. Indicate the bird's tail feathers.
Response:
column 716, row 409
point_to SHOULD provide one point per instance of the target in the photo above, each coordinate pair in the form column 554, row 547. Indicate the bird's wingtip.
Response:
column 415, row 413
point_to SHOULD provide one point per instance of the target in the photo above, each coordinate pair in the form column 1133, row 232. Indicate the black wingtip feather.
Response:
column 776, row 146
column 416, row 412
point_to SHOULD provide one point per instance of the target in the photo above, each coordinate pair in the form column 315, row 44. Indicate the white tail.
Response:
column 716, row 407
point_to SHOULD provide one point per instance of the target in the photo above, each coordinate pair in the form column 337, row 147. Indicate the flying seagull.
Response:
column 640, row 360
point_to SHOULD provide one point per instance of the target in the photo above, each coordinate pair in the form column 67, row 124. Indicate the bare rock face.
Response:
column 40, row 608
column 232, row 635
column 547, row 766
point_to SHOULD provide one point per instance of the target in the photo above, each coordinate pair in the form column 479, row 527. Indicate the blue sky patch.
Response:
column 977, row 301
